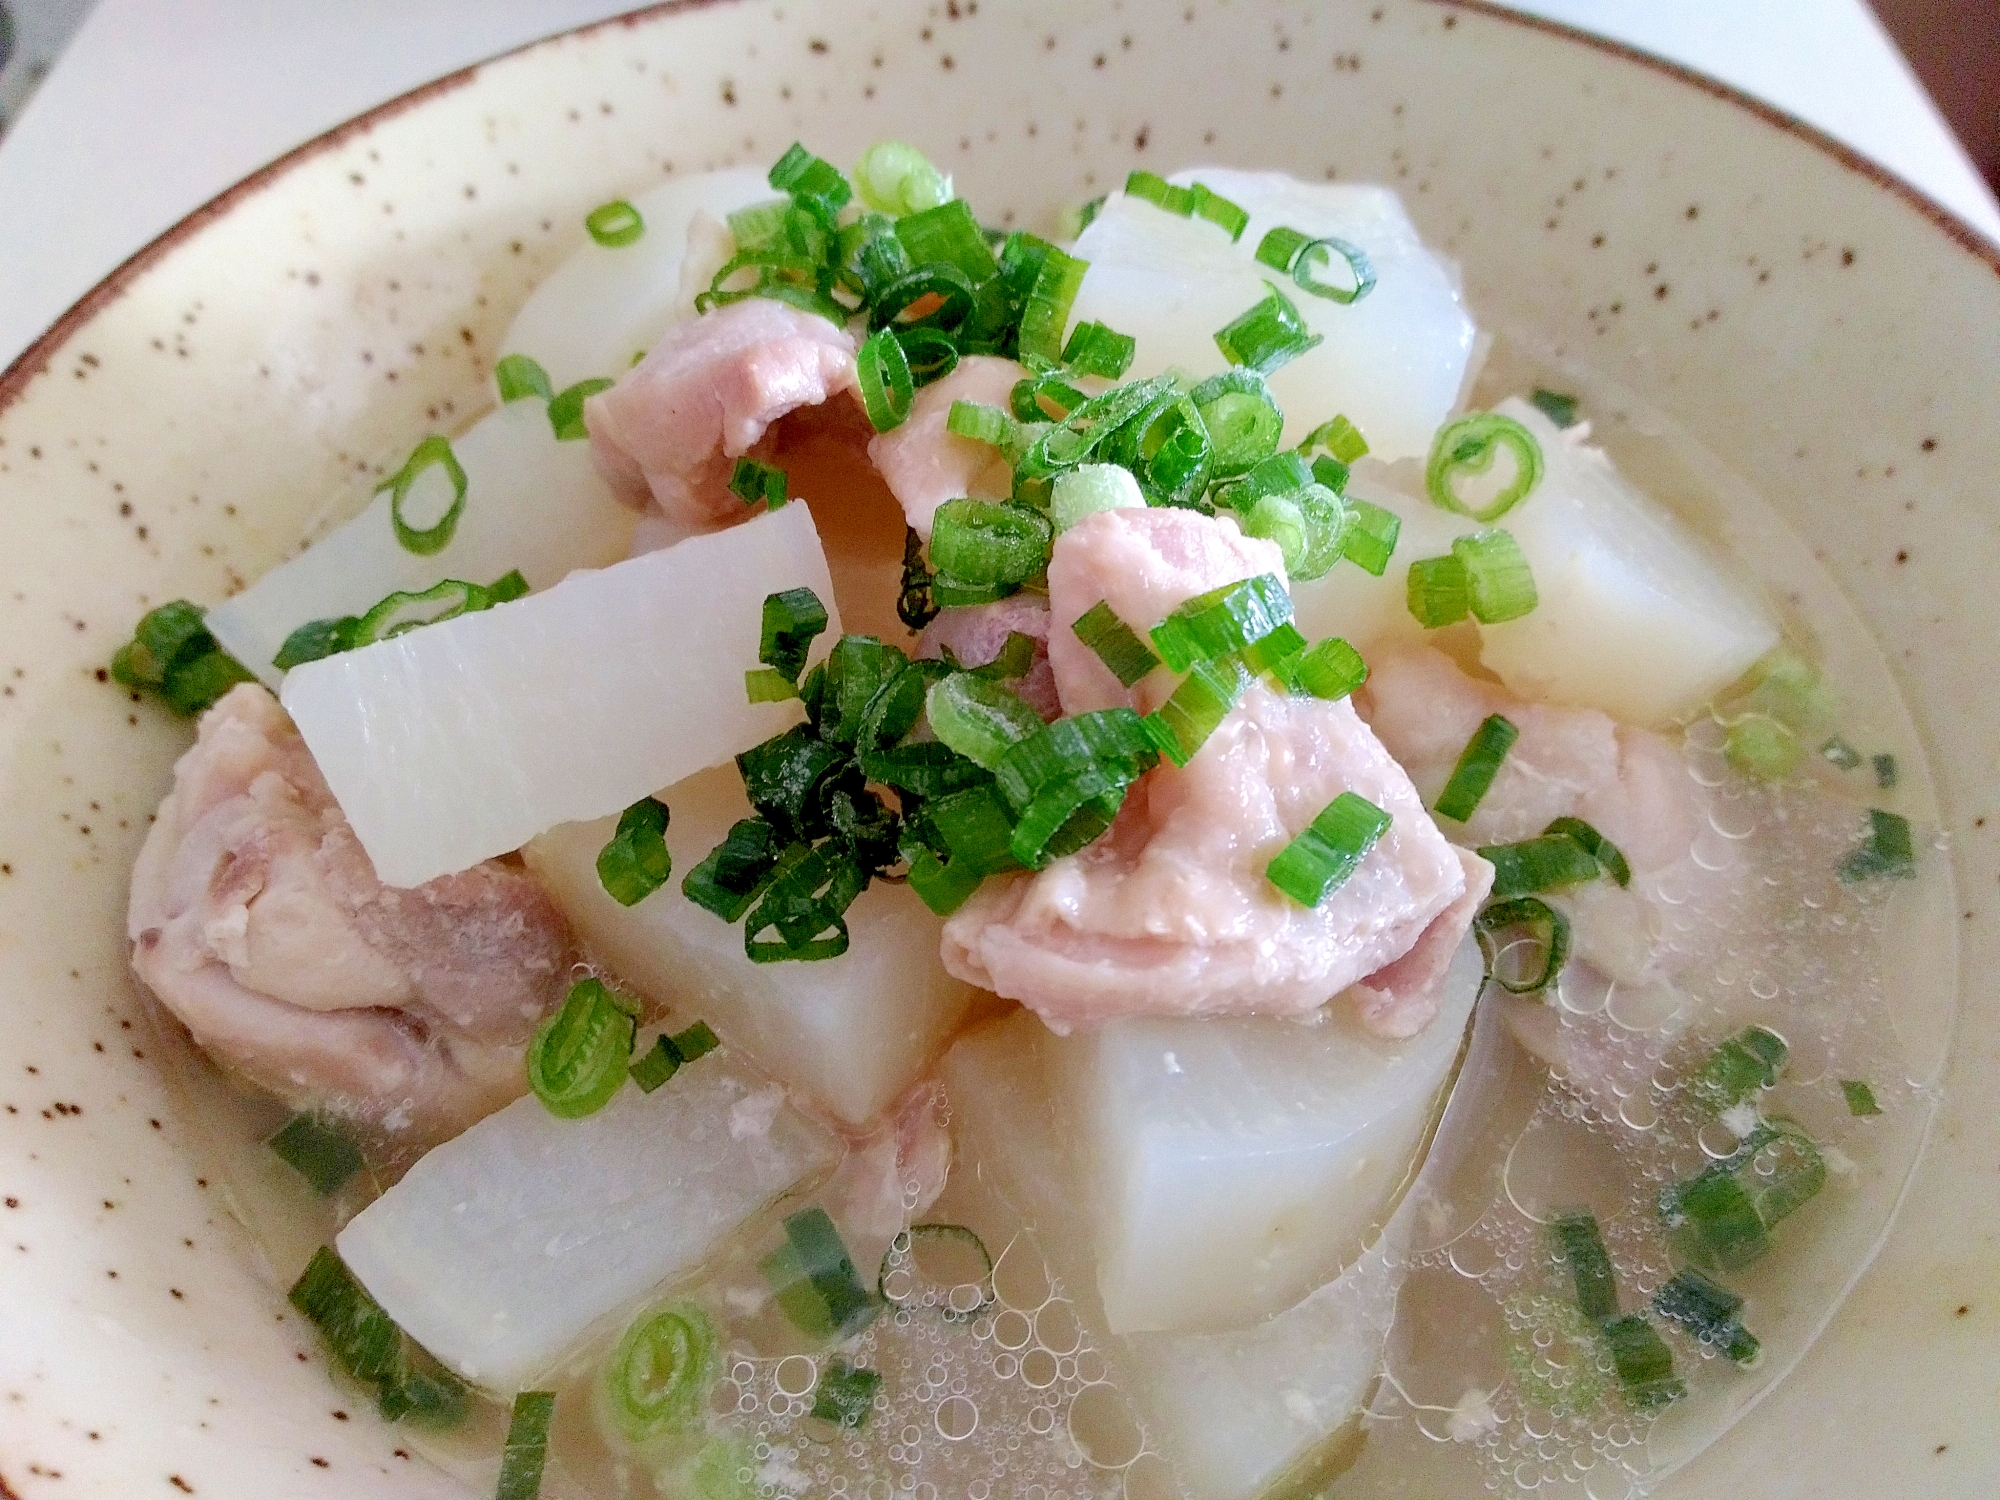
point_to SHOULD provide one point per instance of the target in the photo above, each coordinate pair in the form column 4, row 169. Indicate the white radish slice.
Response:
column 531, row 503
column 463, row 740
column 501, row 1247
column 606, row 304
column 852, row 1032
column 1393, row 361
column 1636, row 617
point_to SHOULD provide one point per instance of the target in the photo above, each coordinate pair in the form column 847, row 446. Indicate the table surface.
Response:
column 158, row 105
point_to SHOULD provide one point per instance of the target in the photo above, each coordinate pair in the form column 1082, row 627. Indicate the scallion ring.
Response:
column 577, row 1059
column 432, row 452
column 1504, row 927
column 1466, row 448
column 659, row 1376
column 614, row 224
column 886, row 386
column 941, row 290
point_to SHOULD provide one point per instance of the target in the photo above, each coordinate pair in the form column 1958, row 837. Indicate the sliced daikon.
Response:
column 1393, row 361
column 531, row 503
column 852, row 1032
column 1232, row 1164
column 605, row 305
column 502, row 1246
column 465, row 739
column 1635, row 616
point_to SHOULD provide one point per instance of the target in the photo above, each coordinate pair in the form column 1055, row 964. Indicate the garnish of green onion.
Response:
column 1712, row 1314
column 1438, row 592
column 1097, row 349
column 1243, row 422
column 1745, row 1064
column 1580, row 1244
column 948, row 235
column 1268, row 336
column 1331, row 669
column 669, row 1054
column 805, row 903
column 1837, row 752
column 577, row 1059
column 1338, row 437
column 1477, row 765
column 1467, row 448
column 172, row 654
column 392, row 616
column 989, row 542
column 1721, row 1218
column 1558, row 408
column 944, row 886
column 1329, row 850
column 813, row 1278
column 1124, row 655
column 635, row 862
column 792, row 620
column 366, row 1343
column 527, row 1447
column 768, row 685
column 1539, row 864
column 895, row 178
column 1369, row 538
column 731, row 876
column 1502, row 927
column 1860, row 1097
column 914, row 605
column 432, row 452
column 1193, row 202
column 1607, row 854
column 1046, row 313
column 812, row 183
column 1885, row 770
column 318, row 1150
column 1061, row 752
column 660, row 1374
column 566, row 409
column 978, row 718
column 759, row 484
column 845, row 1395
column 519, row 377
column 886, row 386
column 1762, row 747
column 614, row 224
column 983, row 424
column 1222, row 621
column 1498, row 584
column 1085, row 490
column 1885, row 851
column 1644, row 1363
column 1198, row 705
column 1301, row 256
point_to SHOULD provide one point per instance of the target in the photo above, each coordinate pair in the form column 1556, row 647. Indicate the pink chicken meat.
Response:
column 256, row 919
column 925, row 465
column 1171, row 913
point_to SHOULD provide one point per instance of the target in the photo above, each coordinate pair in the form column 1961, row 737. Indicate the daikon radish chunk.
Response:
column 1635, row 616
column 605, row 305
column 465, row 739
column 531, row 503
column 1362, row 609
column 1233, row 1164
column 851, row 1032
column 503, row 1245
column 1393, row 361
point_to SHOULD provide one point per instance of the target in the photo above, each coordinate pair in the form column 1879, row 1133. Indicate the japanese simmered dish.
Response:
column 939, row 862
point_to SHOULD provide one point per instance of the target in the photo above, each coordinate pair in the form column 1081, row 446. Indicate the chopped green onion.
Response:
column 366, row 1343
column 813, row 184
column 792, row 620
column 1299, row 255
column 942, row 886
column 1713, row 1314
column 1369, row 538
column 914, row 605
column 1090, row 488
column 1222, row 621
column 635, row 863
column 1838, row 752
column 845, row 1394
column 1063, row 817
column 930, row 353
column 1196, row 202
column 1607, row 854
column 1745, row 1064
column 1268, row 336
column 983, row 424
column 785, row 776
column 1886, row 852
column 1644, row 1363
column 759, row 484
column 1539, row 864
column 1078, row 219
column 1545, row 928
column 896, row 178
column 1337, row 436
column 172, row 654
column 566, row 409
column 1468, row 447
column 402, row 612
column 1124, row 655
column 987, row 542
column 1558, row 408
column 1182, row 725
column 814, row 1279
column 949, row 235
column 805, row 902
column 659, row 1376
column 1477, row 765
column 1274, row 655
column 658, row 1064
column 1097, row 349
column 730, row 878
column 1580, row 1244
column 1331, row 670
column 768, row 685
column 1329, row 850
column 1046, row 312
column 1885, row 771
column 1059, row 752
column 1860, row 1097
column 1243, row 422
column 886, row 386
column 1762, row 747
column 1721, row 1218
column 1498, row 583
column 1278, row 519
column 952, row 1268
column 978, row 718
column 1045, row 397
column 576, row 1061
column 432, row 452
column 518, row 377
column 527, row 1447
column 318, row 1150
column 1439, row 592
column 614, row 224
column 508, row 587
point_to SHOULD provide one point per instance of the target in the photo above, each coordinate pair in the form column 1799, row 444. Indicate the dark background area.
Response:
column 1954, row 45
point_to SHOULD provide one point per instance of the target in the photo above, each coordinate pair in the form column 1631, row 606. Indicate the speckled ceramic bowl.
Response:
column 1831, row 337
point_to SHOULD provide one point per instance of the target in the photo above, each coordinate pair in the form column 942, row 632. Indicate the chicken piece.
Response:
column 1630, row 784
column 924, row 465
column 975, row 634
column 890, row 1174
column 673, row 425
column 257, row 919
column 1144, row 564
column 1400, row 999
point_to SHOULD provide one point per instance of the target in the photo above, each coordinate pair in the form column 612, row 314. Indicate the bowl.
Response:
column 1827, row 334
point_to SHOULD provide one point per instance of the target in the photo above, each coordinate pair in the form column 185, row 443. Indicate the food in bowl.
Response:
column 1053, row 1033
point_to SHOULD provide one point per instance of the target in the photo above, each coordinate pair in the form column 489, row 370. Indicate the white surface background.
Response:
column 158, row 105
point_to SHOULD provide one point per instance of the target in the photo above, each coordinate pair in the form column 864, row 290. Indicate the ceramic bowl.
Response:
column 1831, row 337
